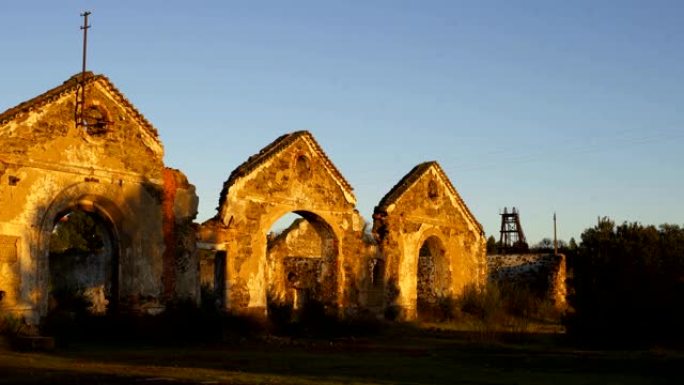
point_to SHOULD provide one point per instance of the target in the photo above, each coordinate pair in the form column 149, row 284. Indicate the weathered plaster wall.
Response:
column 180, row 275
column 49, row 166
column 423, row 206
column 290, row 175
column 302, row 265
column 91, row 271
column 544, row 274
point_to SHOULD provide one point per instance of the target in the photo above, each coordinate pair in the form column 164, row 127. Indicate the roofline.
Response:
column 408, row 180
column 70, row 85
column 271, row 150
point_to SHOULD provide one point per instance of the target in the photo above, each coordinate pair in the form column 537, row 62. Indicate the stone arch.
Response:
column 292, row 174
column 91, row 198
column 302, row 263
column 248, row 272
column 433, row 242
column 433, row 274
column 424, row 204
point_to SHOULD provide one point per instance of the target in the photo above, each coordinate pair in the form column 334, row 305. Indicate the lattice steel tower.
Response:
column 512, row 238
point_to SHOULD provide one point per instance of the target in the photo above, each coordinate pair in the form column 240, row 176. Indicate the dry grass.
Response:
column 402, row 355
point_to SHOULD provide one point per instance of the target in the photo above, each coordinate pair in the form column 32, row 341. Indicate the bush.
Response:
column 520, row 301
column 443, row 309
column 392, row 312
column 315, row 320
column 182, row 322
column 484, row 303
column 10, row 325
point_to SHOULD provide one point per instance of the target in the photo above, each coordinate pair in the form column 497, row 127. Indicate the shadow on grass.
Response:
column 403, row 354
column 189, row 345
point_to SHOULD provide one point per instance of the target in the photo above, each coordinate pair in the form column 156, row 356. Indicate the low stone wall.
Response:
column 544, row 274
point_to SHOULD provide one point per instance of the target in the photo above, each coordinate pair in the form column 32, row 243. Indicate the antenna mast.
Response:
column 80, row 91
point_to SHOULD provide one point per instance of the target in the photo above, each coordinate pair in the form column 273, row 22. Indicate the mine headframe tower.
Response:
column 512, row 238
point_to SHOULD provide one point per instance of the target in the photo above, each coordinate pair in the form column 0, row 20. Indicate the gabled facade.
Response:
column 432, row 244
column 107, row 182
column 290, row 175
column 111, row 170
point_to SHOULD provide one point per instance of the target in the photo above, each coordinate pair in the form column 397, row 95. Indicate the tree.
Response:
column 492, row 246
column 546, row 244
column 76, row 232
column 628, row 283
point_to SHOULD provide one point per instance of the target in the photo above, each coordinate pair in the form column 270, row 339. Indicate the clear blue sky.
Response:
column 575, row 107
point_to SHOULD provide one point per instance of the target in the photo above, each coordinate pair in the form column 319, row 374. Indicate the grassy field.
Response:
column 402, row 355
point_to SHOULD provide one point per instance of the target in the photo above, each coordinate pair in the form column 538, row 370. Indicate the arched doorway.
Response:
column 301, row 263
column 433, row 276
column 83, row 262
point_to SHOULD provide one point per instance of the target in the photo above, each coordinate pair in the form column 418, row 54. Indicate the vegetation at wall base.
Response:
column 494, row 313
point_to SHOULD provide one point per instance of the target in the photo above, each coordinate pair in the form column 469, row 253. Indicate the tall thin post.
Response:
column 80, row 91
column 85, row 28
column 555, row 238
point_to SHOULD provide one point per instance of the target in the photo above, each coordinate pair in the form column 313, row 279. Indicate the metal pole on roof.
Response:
column 85, row 28
column 80, row 91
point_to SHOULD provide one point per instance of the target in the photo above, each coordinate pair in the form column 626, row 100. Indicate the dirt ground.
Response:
column 402, row 356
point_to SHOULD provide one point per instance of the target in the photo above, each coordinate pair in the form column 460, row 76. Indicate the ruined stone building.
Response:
column 431, row 243
column 318, row 257
column 110, row 174
column 90, row 210
column 428, row 243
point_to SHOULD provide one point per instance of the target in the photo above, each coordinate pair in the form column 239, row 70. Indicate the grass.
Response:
column 402, row 354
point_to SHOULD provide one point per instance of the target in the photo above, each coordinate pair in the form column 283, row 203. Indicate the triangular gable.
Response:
column 277, row 147
column 69, row 87
column 410, row 179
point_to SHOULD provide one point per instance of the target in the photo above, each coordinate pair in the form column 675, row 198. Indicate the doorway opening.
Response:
column 433, row 277
column 83, row 263
column 301, row 256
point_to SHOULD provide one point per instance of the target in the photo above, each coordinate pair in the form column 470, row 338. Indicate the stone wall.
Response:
column 302, row 265
column 424, row 211
column 543, row 274
column 112, row 168
column 327, row 255
column 292, row 174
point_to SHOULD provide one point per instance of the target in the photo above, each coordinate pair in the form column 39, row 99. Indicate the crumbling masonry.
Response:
column 112, row 169
column 425, row 243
